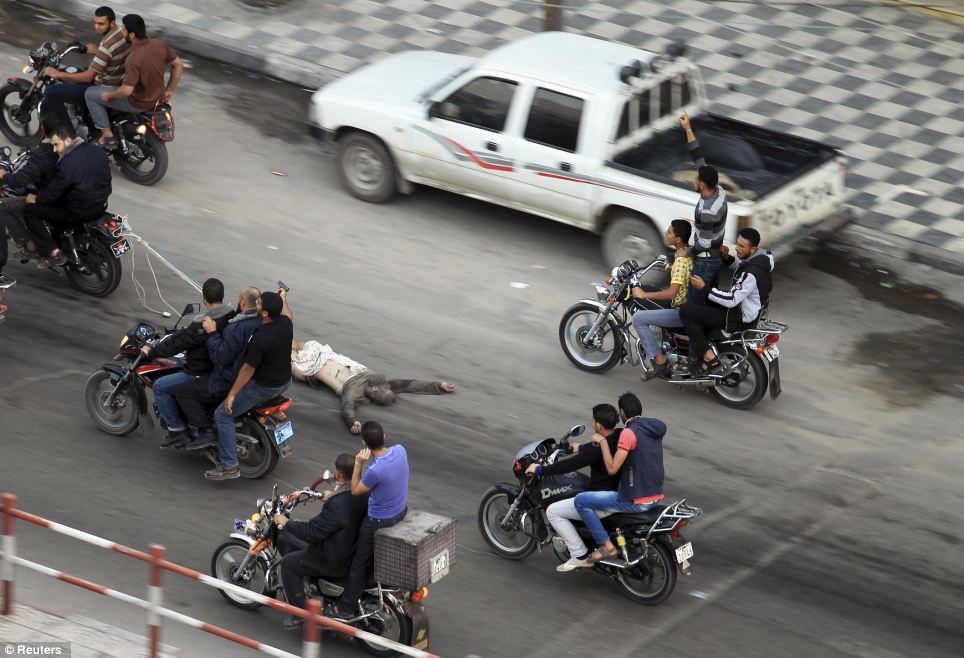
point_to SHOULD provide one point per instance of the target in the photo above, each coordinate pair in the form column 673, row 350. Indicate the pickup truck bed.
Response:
column 752, row 161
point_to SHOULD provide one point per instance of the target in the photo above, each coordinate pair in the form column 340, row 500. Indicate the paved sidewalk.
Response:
column 85, row 638
column 883, row 81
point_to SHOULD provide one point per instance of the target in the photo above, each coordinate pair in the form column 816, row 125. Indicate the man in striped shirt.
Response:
column 710, row 214
column 106, row 69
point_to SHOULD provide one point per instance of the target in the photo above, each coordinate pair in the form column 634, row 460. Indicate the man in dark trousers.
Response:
column 77, row 194
column 387, row 481
column 192, row 341
column 323, row 546
column 265, row 373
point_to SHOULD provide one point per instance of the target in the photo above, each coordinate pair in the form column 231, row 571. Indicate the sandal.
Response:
column 55, row 259
column 107, row 143
column 599, row 555
column 711, row 367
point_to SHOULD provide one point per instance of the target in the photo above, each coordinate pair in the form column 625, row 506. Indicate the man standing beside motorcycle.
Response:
column 225, row 344
column 192, row 341
column 387, row 481
column 106, row 69
column 322, row 547
column 266, row 372
column 77, row 194
column 562, row 513
column 640, row 448
column 143, row 85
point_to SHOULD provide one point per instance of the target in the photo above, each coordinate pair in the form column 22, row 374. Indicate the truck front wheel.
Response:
column 630, row 237
column 366, row 168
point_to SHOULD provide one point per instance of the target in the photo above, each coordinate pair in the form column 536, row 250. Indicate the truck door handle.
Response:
column 492, row 146
column 565, row 166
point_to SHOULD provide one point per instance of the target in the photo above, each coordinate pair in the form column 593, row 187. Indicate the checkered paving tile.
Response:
column 882, row 81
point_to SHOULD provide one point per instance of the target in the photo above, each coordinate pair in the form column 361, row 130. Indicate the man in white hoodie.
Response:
column 733, row 309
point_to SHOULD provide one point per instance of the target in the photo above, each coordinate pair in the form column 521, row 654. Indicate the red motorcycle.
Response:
column 116, row 398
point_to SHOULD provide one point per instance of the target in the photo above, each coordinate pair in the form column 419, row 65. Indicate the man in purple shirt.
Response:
column 386, row 479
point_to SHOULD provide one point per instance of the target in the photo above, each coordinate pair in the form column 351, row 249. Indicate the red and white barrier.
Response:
column 313, row 617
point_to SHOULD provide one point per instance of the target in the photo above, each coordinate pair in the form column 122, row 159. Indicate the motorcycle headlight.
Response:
column 602, row 292
column 124, row 341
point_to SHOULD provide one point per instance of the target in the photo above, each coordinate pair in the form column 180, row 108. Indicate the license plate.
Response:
column 283, row 433
column 772, row 352
column 120, row 247
column 684, row 552
column 439, row 565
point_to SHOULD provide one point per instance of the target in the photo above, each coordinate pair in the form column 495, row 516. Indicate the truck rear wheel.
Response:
column 366, row 168
column 631, row 236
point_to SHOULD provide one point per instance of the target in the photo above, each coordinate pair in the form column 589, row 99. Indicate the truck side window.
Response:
column 639, row 104
column 665, row 97
column 483, row 103
column 554, row 120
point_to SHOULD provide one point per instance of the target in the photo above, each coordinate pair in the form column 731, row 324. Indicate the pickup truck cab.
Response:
column 577, row 130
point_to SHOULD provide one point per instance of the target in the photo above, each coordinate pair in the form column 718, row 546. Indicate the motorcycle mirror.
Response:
column 326, row 475
column 577, row 430
column 5, row 152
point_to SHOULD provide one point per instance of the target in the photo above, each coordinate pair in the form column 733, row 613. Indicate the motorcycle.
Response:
column 596, row 334
column 93, row 250
column 512, row 520
column 141, row 150
column 251, row 559
column 116, row 399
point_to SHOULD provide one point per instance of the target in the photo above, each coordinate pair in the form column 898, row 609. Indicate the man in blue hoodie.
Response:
column 640, row 448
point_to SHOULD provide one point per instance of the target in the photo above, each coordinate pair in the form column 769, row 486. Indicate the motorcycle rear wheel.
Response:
column 152, row 168
column 393, row 624
column 575, row 324
column 257, row 457
column 29, row 134
column 224, row 564
column 652, row 579
column 514, row 544
column 104, row 271
column 123, row 415
column 744, row 387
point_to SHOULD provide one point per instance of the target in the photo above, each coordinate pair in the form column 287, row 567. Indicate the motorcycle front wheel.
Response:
column 224, row 566
column 515, row 541
column 256, row 453
column 601, row 353
column 746, row 384
column 651, row 580
column 119, row 416
column 146, row 161
column 20, row 130
column 98, row 272
column 390, row 622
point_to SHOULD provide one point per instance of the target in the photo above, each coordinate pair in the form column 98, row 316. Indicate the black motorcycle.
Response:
column 93, row 250
column 512, row 519
column 141, row 151
column 116, row 398
column 596, row 334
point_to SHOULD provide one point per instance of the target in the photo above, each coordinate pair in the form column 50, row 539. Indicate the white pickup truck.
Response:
column 575, row 129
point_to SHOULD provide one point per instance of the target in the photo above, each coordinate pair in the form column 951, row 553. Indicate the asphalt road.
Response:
column 832, row 516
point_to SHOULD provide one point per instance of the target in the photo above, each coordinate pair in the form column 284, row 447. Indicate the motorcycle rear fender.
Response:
column 419, row 617
column 116, row 374
column 22, row 84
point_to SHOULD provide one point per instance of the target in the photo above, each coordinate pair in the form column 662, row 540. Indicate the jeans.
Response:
column 98, row 109
column 588, row 502
column 244, row 401
column 195, row 400
column 57, row 95
column 164, row 399
column 11, row 220
column 361, row 562
column 663, row 317
column 697, row 318
column 561, row 514
column 708, row 269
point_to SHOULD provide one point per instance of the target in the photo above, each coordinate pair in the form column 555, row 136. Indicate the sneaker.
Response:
column 292, row 623
column 574, row 563
column 222, row 472
column 205, row 439
column 6, row 282
column 171, row 439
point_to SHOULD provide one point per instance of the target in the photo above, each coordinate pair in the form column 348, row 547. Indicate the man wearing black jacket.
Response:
column 192, row 340
column 76, row 195
column 562, row 513
column 323, row 546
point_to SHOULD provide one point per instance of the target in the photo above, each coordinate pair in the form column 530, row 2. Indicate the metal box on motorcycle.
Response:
column 417, row 552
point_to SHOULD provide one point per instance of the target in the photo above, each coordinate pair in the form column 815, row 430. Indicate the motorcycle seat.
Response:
column 624, row 519
column 276, row 401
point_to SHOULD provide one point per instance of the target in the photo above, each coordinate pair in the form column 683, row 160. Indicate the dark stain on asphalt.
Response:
column 913, row 364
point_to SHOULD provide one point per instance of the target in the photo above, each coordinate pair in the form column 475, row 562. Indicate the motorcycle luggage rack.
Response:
column 676, row 513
